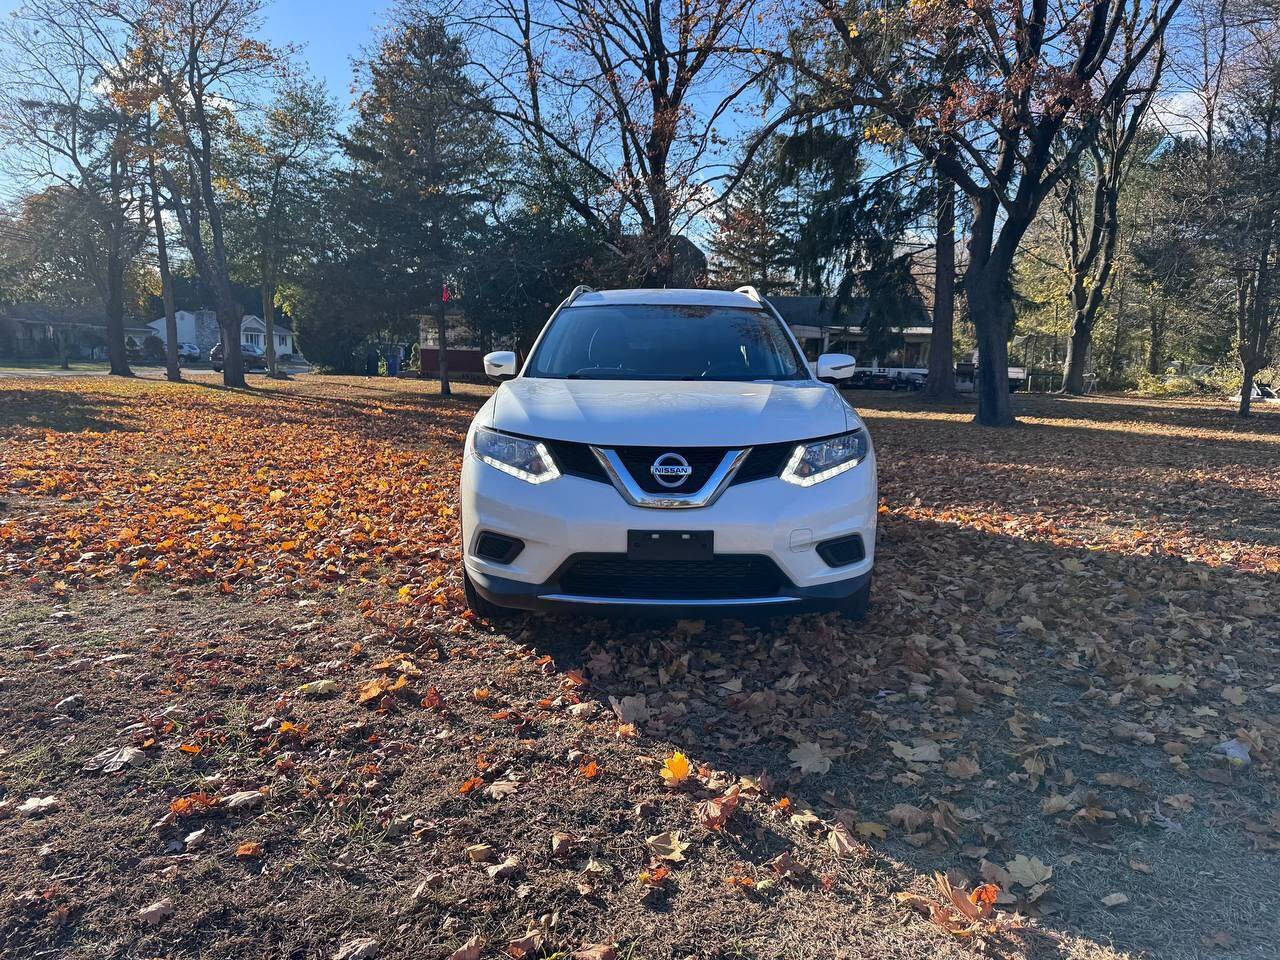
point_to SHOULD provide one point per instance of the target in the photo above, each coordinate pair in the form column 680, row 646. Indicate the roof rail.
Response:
column 750, row 291
column 576, row 292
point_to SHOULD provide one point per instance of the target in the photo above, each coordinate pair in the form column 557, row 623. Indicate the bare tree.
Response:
column 941, row 382
column 1251, row 197
column 208, row 64
column 1033, row 78
column 618, row 101
column 172, row 369
column 1089, row 202
column 1200, row 64
column 274, row 164
column 64, row 127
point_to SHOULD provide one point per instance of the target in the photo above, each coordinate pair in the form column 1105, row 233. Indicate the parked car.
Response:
column 1261, row 393
column 871, row 380
column 967, row 377
column 670, row 452
column 152, row 349
column 188, row 352
column 253, row 357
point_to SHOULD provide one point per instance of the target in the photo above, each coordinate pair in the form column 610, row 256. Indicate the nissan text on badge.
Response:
column 669, row 452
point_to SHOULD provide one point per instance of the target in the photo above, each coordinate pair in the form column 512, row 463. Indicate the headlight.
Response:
column 814, row 462
column 519, row 456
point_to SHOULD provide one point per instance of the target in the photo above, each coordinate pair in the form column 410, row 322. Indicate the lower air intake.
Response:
column 723, row 577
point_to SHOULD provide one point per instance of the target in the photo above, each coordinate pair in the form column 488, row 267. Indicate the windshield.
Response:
column 667, row 342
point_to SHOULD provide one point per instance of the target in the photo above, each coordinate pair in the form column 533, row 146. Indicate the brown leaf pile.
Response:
column 1071, row 652
column 962, row 914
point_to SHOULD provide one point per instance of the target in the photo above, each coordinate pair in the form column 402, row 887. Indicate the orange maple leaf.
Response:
column 676, row 770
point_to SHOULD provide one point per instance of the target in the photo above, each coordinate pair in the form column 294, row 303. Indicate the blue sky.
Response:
column 330, row 32
column 329, row 35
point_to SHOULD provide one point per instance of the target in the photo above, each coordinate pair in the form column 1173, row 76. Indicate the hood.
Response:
column 669, row 413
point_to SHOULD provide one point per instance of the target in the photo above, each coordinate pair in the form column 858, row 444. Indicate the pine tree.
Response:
column 423, row 154
column 753, row 242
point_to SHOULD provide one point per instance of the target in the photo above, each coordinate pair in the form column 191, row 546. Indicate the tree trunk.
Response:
column 1157, row 337
column 116, row 350
column 1077, row 352
column 212, row 272
column 1246, row 392
column 230, row 316
column 170, row 314
column 989, row 295
column 990, row 302
column 442, row 334
column 1253, row 301
column 941, row 383
column 172, row 367
column 269, row 320
column 172, row 370
column 1113, row 361
column 993, row 402
column 424, row 329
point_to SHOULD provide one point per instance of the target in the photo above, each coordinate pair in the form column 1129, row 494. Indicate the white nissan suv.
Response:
column 670, row 452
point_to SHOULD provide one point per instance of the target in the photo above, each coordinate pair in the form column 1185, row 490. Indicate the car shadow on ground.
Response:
column 1087, row 688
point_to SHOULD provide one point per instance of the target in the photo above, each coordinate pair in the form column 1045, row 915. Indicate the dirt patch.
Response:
column 1064, row 630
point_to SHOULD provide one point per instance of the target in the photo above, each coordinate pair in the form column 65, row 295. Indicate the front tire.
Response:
column 478, row 604
column 856, row 606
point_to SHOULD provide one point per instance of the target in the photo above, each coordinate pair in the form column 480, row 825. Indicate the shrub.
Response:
column 153, row 349
column 1222, row 381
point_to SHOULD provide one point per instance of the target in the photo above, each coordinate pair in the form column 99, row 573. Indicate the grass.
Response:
column 76, row 366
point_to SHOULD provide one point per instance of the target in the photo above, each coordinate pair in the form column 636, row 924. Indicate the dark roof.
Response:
column 51, row 313
column 74, row 315
column 820, row 311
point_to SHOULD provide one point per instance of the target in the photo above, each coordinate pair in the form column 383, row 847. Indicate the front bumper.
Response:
column 549, row 597
column 571, row 516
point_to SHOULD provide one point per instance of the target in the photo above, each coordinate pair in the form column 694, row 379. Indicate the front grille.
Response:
column 766, row 460
column 577, row 460
column 638, row 460
column 724, row 576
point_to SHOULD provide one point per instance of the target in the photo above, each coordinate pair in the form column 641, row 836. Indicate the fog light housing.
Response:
column 497, row 547
column 842, row 551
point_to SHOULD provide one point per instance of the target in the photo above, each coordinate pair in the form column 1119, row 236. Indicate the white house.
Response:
column 200, row 327
column 254, row 331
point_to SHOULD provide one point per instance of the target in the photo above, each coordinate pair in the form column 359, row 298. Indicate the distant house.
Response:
column 35, row 331
column 253, row 330
column 464, row 354
column 820, row 328
column 200, row 327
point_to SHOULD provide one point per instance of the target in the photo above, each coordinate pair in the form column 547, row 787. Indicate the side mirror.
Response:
column 834, row 367
column 500, row 365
